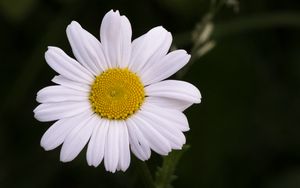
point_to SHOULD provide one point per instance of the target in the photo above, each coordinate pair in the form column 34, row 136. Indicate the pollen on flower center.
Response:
column 116, row 94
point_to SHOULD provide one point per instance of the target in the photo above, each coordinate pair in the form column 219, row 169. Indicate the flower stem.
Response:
column 165, row 174
column 144, row 173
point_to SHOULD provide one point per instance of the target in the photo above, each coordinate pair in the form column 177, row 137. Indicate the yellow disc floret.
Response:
column 116, row 94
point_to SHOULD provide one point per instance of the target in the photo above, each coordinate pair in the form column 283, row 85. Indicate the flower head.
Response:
column 114, row 96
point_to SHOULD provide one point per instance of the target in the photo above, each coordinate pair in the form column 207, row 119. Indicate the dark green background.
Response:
column 245, row 133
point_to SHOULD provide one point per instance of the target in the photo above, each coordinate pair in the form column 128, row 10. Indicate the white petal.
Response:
column 86, row 48
column 156, row 141
column 54, row 111
column 66, row 66
column 111, row 156
column 115, row 34
column 165, row 67
column 178, row 118
column 124, row 152
column 169, row 103
column 61, row 80
column 96, row 147
column 174, row 89
column 164, row 126
column 57, row 133
column 77, row 139
column 138, row 144
column 149, row 48
column 60, row 94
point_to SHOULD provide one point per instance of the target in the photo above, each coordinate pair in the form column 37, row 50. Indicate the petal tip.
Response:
column 113, row 12
column 51, row 48
column 188, row 56
column 45, row 147
column 64, row 159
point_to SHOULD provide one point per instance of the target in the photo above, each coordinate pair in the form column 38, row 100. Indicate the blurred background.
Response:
column 245, row 133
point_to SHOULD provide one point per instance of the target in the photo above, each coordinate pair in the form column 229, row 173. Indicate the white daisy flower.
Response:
column 114, row 96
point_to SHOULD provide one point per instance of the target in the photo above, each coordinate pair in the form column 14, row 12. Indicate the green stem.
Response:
column 165, row 174
column 144, row 173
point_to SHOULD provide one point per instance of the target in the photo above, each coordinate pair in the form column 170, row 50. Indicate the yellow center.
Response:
column 116, row 94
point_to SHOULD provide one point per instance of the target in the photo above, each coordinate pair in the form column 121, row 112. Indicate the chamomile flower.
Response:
column 114, row 97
